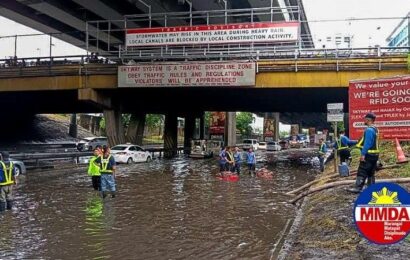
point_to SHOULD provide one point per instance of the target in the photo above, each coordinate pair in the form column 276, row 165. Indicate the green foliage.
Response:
column 126, row 118
column 153, row 121
column 340, row 126
column 102, row 126
column 207, row 118
column 283, row 134
column 243, row 123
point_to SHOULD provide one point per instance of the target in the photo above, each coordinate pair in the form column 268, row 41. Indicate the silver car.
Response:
column 19, row 166
column 89, row 143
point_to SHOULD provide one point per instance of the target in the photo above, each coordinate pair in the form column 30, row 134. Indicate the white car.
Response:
column 250, row 143
column 129, row 153
column 273, row 146
column 262, row 146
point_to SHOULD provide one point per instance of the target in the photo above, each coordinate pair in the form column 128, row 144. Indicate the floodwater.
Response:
column 166, row 209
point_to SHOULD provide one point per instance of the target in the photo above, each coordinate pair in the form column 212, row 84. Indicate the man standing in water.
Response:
column 222, row 160
column 369, row 145
column 251, row 161
column 238, row 160
column 107, row 169
column 94, row 169
column 7, row 180
column 230, row 159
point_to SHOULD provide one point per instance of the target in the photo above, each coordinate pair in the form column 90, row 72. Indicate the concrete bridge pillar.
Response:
column 189, row 131
column 171, row 136
column 113, row 127
column 230, row 129
column 135, row 131
column 276, row 116
column 72, row 130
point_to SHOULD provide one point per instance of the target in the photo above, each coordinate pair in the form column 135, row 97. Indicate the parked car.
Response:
column 262, row 145
column 130, row 153
column 89, row 143
column 284, row 143
column 205, row 148
column 298, row 141
column 19, row 167
column 250, row 143
column 273, row 146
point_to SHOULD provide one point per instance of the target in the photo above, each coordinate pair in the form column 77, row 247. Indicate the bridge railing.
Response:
column 107, row 36
column 269, row 59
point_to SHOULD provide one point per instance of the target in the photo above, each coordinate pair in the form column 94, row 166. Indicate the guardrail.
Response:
column 268, row 59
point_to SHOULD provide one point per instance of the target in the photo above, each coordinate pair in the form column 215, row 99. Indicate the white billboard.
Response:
column 213, row 34
column 179, row 74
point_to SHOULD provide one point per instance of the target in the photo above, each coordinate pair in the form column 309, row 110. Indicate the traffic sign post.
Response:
column 335, row 114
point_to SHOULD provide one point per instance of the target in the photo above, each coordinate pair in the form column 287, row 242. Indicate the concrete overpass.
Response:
column 67, row 19
column 301, row 86
column 291, row 76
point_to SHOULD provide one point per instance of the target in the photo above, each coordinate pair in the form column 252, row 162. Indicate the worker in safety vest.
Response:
column 107, row 170
column 369, row 145
column 322, row 153
column 7, row 180
column 343, row 147
column 230, row 160
column 94, row 169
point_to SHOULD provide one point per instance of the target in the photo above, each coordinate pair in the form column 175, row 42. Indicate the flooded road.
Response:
column 173, row 209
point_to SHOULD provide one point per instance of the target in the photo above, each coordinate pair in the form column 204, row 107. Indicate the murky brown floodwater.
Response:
column 164, row 210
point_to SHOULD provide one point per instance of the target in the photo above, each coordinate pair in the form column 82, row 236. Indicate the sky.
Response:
column 365, row 33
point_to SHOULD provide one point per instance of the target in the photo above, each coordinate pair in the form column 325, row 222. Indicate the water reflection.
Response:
column 173, row 209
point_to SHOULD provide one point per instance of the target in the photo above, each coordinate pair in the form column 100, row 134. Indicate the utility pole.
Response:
column 335, row 159
column 15, row 46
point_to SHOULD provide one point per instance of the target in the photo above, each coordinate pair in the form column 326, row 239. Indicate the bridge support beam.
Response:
column 276, row 116
column 230, row 129
column 171, row 136
column 189, row 132
column 94, row 97
column 135, row 131
column 113, row 127
column 72, row 130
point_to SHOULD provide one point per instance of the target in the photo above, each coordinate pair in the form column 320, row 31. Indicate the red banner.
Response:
column 388, row 99
column 217, row 123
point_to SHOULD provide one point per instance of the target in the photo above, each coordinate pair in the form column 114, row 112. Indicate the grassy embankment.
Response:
column 327, row 228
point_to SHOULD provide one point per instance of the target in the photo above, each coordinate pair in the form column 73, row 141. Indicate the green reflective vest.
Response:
column 339, row 144
column 375, row 148
column 321, row 152
column 8, row 174
column 93, row 168
column 104, row 165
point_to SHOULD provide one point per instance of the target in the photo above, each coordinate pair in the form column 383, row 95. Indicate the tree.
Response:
column 283, row 134
column 153, row 121
column 207, row 119
column 243, row 123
